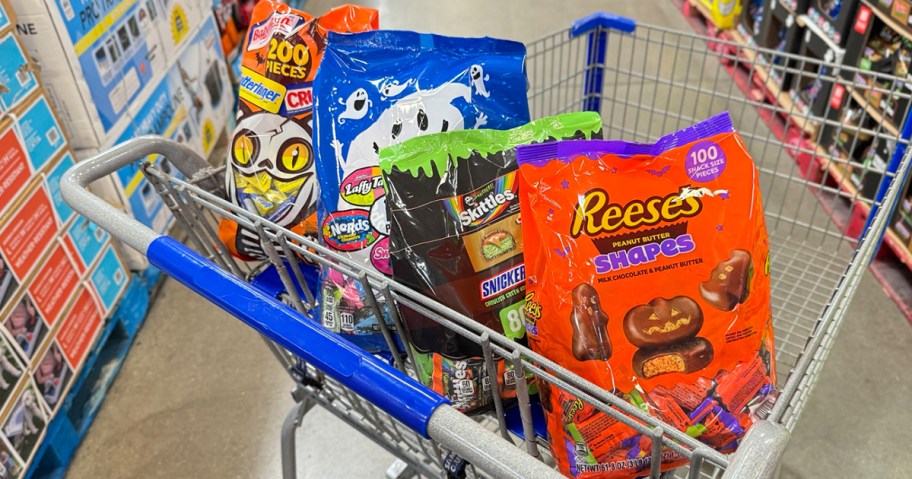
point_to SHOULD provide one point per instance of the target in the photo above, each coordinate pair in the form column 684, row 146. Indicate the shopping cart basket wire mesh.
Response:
column 645, row 81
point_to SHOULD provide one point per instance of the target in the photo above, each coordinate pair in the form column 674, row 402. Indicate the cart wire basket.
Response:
column 645, row 81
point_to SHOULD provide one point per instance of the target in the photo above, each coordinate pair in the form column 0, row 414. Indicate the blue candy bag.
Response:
column 377, row 89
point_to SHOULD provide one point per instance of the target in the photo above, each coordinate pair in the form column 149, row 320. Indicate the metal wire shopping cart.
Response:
column 645, row 81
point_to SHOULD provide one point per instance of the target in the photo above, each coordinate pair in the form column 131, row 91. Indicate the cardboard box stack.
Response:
column 60, row 275
column 119, row 69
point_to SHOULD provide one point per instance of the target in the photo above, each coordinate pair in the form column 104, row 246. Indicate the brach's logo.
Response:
column 286, row 24
column 504, row 281
column 299, row 99
column 596, row 215
column 485, row 203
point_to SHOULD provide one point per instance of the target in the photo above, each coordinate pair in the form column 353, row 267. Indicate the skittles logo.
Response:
column 485, row 203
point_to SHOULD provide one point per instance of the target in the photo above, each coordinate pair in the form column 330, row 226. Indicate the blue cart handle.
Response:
column 414, row 405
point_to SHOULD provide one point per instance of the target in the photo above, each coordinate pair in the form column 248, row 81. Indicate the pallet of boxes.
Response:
column 60, row 276
column 78, row 77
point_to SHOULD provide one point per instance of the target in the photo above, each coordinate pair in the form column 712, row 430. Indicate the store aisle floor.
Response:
column 201, row 396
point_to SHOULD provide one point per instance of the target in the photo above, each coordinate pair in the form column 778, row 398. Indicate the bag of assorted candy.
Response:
column 270, row 167
column 377, row 89
column 647, row 269
column 455, row 236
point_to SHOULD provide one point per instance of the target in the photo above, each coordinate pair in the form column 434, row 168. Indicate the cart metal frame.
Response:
column 645, row 81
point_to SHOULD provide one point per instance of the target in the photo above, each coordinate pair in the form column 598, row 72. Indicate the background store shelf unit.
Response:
column 892, row 267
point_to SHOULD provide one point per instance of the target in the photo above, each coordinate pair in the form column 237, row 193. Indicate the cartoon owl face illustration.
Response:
column 272, row 164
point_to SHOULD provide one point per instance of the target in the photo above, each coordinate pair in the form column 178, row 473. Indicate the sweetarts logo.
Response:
column 485, row 203
column 503, row 282
column 284, row 24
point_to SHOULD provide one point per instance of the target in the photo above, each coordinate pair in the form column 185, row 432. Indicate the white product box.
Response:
column 95, row 59
column 204, row 74
column 176, row 20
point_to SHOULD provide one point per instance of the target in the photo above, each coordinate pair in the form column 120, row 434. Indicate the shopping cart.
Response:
column 645, row 81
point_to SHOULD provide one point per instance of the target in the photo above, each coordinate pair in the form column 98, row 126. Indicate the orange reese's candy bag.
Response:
column 648, row 274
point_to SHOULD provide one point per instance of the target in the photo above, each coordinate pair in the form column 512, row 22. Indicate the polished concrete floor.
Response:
column 201, row 396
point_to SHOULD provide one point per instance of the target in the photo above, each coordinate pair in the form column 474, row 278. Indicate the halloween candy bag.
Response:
column 271, row 158
column 453, row 208
column 377, row 89
column 647, row 269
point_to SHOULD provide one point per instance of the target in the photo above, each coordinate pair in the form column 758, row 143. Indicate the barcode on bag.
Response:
column 53, row 136
column 22, row 76
column 67, row 9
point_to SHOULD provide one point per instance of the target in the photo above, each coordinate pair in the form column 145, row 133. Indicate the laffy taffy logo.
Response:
column 595, row 214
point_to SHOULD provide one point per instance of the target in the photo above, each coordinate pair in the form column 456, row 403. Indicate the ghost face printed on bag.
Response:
column 356, row 106
column 420, row 113
column 273, row 165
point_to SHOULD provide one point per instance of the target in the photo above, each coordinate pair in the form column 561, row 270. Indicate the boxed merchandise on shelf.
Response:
column 85, row 242
column 25, row 424
column 723, row 13
column 833, row 18
column 798, row 7
column 95, row 59
column 809, row 91
column 751, row 19
column 53, row 283
column 37, row 125
column 779, row 30
column 11, row 373
column 15, row 164
column 52, row 182
column 230, row 30
column 878, row 45
column 109, row 279
column 27, row 230
column 175, row 20
column 190, row 105
column 16, row 75
column 46, row 382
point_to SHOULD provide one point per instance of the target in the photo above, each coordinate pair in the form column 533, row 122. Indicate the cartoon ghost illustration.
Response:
column 478, row 77
column 393, row 88
column 419, row 113
column 356, row 105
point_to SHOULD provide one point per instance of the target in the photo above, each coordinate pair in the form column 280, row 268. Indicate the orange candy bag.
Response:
column 647, row 271
column 270, row 165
